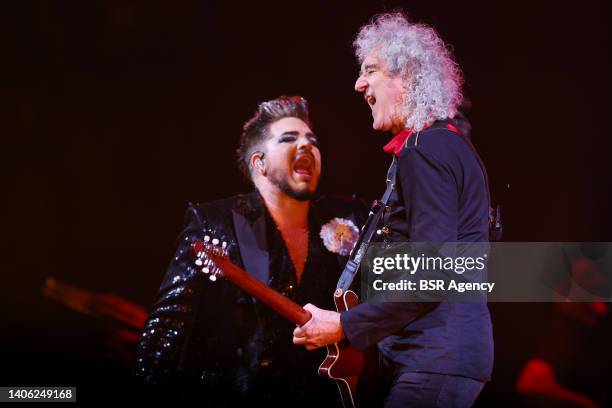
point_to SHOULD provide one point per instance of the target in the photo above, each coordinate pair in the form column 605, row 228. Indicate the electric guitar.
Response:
column 344, row 363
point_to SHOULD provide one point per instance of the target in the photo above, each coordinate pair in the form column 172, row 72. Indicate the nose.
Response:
column 361, row 85
column 304, row 143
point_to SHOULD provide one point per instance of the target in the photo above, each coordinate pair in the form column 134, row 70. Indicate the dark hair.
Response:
column 255, row 130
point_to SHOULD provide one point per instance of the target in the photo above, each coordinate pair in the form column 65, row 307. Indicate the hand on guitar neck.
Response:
column 322, row 329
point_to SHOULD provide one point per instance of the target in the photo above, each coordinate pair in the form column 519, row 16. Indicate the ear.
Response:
column 257, row 163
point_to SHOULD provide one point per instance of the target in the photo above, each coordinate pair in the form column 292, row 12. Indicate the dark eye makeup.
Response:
column 287, row 139
column 291, row 139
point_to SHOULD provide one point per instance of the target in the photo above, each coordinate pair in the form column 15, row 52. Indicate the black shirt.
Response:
column 286, row 372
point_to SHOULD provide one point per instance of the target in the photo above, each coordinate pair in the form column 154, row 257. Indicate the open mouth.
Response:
column 371, row 100
column 303, row 165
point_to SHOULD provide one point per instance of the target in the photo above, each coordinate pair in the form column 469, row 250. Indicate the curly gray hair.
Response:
column 415, row 51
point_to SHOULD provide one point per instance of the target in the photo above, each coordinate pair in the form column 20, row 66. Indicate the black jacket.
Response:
column 441, row 195
column 204, row 333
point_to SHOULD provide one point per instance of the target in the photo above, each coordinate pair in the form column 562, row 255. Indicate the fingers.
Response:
column 311, row 308
column 299, row 336
column 302, row 341
column 299, row 332
column 299, row 341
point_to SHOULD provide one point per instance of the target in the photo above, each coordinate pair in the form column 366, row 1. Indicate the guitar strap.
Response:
column 367, row 232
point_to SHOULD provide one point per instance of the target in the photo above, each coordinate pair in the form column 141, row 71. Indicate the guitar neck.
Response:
column 279, row 303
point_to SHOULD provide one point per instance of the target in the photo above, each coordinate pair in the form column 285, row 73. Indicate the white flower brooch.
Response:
column 339, row 235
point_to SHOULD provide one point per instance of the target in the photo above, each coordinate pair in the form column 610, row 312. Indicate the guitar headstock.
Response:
column 207, row 253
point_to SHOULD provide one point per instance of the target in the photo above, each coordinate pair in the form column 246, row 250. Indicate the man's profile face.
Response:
column 292, row 158
column 383, row 92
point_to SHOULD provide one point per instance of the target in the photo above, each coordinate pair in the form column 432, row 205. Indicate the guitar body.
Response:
column 350, row 368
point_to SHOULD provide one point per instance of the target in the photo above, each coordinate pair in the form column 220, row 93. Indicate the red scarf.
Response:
column 398, row 142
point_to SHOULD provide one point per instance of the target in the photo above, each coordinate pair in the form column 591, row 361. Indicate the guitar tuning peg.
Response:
column 201, row 258
column 205, row 269
column 206, row 238
column 215, row 241
column 213, row 277
column 224, row 245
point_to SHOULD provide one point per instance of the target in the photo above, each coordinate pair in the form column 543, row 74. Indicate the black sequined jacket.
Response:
column 206, row 334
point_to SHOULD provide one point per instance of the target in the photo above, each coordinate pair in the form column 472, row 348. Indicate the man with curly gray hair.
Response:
column 419, row 81
column 433, row 354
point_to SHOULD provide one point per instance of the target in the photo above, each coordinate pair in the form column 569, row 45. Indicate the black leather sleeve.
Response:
column 166, row 331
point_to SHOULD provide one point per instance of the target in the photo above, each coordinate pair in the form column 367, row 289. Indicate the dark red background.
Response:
column 115, row 114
